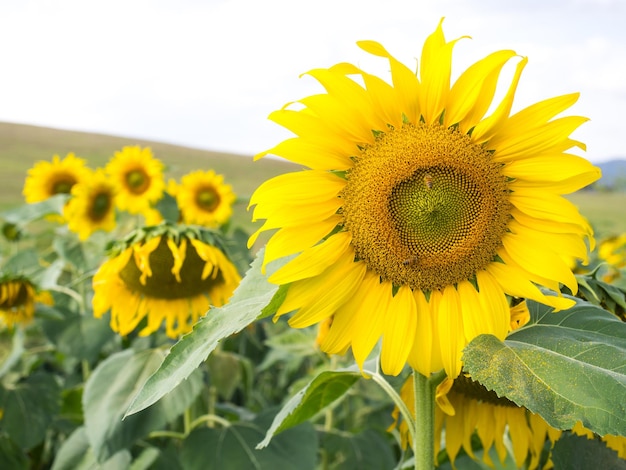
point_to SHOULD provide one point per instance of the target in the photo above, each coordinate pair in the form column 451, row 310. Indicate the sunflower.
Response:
column 91, row 207
column 418, row 215
column 18, row 296
column 204, row 199
column 47, row 179
column 612, row 251
column 138, row 178
column 465, row 407
column 166, row 274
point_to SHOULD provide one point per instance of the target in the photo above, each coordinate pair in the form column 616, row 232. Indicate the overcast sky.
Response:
column 206, row 73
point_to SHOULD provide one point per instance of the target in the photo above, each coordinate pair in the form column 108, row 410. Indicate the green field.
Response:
column 21, row 146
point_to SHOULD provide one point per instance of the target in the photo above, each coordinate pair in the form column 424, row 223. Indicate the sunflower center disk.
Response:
column 208, row 199
column 426, row 206
column 163, row 284
column 137, row 181
column 100, row 207
column 63, row 186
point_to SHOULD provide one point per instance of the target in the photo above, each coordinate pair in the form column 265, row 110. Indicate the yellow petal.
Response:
column 472, row 93
column 516, row 284
column 405, row 83
column 370, row 318
column 311, row 153
column 314, row 260
column 435, row 71
column 339, row 284
column 290, row 240
column 540, row 260
column 425, row 350
column 450, row 330
column 490, row 125
column 399, row 331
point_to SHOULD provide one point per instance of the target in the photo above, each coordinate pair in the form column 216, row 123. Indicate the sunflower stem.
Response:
column 424, row 437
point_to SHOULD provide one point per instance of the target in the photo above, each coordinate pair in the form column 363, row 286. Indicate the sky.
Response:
column 207, row 73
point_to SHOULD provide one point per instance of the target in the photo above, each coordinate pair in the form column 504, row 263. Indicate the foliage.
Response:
column 241, row 391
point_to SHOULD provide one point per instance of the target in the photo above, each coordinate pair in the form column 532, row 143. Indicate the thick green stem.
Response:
column 424, row 437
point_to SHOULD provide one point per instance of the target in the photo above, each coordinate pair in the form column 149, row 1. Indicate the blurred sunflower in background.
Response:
column 18, row 296
column 137, row 177
column 91, row 206
column 419, row 215
column 47, row 179
column 612, row 251
column 164, row 274
column 204, row 198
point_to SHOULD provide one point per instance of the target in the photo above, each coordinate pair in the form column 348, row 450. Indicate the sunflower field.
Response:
column 418, row 293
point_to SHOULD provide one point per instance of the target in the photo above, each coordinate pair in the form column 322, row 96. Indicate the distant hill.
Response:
column 613, row 174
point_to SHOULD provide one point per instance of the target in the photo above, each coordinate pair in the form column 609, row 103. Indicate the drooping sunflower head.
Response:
column 47, row 179
column 91, row 206
column 163, row 274
column 137, row 177
column 420, row 216
column 204, row 198
column 18, row 296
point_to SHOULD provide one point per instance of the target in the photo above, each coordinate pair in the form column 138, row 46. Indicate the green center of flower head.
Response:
column 63, row 185
column 163, row 283
column 137, row 181
column 426, row 206
column 208, row 199
column 100, row 206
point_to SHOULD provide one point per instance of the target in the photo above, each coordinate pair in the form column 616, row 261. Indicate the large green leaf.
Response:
column 11, row 348
column 567, row 366
column 109, row 391
column 11, row 456
column 572, row 452
column 369, row 450
column 29, row 212
column 249, row 299
column 79, row 336
column 29, row 407
column 317, row 395
column 233, row 447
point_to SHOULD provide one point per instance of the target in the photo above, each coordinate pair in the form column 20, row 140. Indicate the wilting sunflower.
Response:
column 419, row 215
column 165, row 274
column 92, row 206
column 138, row 179
column 204, row 199
column 18, row 296
column 47, row 179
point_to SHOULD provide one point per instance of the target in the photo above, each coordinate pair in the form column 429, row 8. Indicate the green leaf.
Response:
column 75, row 453
column 317, row 395
column 225, row 372
column 11, row 456
column 566, row 366
column 79, row 336
column 572, row 452
column 233, row 447
column 369, row 450
column 29, row 407
column 11, row 349
column 168, row 208
column 247, row 302
column 30, row 212
column 108, row 393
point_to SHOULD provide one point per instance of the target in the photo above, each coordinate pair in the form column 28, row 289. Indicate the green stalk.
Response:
column 424, row 437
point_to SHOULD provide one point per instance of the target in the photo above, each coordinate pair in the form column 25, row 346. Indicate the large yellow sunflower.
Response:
column 47, row 179
column 166, row 274
column 92, row 206
column 18, row 296
column 138, row 178
column 204, row 199
column 419, row 215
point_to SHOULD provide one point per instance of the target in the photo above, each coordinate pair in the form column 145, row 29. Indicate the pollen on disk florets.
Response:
column 426, row 206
